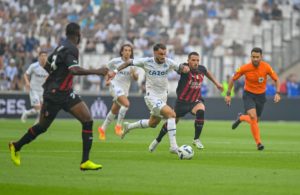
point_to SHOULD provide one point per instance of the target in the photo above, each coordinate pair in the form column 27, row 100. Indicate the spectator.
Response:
column 276, row 12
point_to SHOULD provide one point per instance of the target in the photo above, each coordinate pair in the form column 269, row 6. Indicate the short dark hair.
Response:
column 256, row 50
column 193, row 54
column 126, row 45
column 158, row 46
column 72, row 29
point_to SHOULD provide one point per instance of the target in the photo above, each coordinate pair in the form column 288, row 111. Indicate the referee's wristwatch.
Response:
column 278, row 92
column 228, row 93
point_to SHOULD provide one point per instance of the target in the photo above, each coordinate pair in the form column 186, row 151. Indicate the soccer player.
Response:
column 119, row 88
column 254, row 97
column 62, row 65
column 34, row 78
column 189, row 98
column 156, row 70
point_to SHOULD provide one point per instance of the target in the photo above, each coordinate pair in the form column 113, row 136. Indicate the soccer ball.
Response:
column 185, row 152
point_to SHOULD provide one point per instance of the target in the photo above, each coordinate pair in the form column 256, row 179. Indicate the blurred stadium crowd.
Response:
column 27, row 26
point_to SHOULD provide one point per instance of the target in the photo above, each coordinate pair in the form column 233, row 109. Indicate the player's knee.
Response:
column 87, row 125
column 152, row 124
column 126, row 105
column 171, row 115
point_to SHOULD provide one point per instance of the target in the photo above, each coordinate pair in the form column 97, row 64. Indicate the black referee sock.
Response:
column 31, row 134
column 162, row 132
column 87, row 140
column 199, row 122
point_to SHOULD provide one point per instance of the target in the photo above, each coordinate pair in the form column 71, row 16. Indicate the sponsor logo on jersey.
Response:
column 157, row 72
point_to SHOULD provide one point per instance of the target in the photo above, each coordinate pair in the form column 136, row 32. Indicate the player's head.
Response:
column 193, row 60
column 160, row 52
column 73, row 32
column 126, row 51
column 256, row 56
column 43, row 57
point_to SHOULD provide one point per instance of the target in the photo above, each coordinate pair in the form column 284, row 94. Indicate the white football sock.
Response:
column 171, row 126
column 144, row 123
column 121, row 116
column 109, row 118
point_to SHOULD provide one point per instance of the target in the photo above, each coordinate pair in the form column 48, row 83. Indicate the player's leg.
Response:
column 198, row 110
column 109, row 118
column 35, row 106
column 124, row 105
column 82, row 113
column 168, row 113
column 48, row 114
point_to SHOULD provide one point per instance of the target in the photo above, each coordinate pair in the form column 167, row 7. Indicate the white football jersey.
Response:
column 37, row 75
column 122, row 78
column 156, row 75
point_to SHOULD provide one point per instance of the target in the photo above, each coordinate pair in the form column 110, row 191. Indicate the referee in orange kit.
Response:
column 254, row 96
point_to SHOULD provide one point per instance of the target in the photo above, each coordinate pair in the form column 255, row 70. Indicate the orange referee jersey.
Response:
column 255, row 77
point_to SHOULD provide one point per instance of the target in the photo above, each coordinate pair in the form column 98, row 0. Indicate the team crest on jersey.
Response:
column 261, row 79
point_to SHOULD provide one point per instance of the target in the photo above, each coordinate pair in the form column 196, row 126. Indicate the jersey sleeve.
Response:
column 173, row 65
column 202, row 69
column 112, row 64
column 272, row 73
column 238, row 73
column 29, row 70
column 140, row 62
column 72, row 57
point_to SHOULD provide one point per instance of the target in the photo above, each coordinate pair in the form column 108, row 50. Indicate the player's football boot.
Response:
column 15, row 156
column 125, row 130
column 173, row 150
column 260, row 146
column 118, row 130
column 198, row 144
column 102, row 136
column 153, row 145
column 89, row 165
column 236, row 123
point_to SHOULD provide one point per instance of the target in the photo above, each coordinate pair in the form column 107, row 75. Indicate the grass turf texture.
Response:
column 229, row 164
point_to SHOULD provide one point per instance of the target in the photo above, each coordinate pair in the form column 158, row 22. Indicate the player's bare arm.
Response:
column 277, row 97
column 134, row 74
column 212, row 78
column 228, row 93
column 77, row 70
column 27, row 83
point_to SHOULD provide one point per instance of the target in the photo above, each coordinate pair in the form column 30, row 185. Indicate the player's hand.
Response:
column 111, row 75
column 277, row 98
column 228, row 100
column 185, row 69
column 107, row 81
column 27, row 87
column 220, row 87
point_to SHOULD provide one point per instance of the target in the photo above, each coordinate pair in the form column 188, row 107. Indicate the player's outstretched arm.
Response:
column 228, row 93
column 77, row 70
column 212, row 78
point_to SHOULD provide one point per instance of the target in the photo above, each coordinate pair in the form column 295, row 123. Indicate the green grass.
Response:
column 229, row 164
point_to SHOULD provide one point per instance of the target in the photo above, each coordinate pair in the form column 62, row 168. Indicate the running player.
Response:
column 62, row 65
column 254, row 96
column 189, row 98
column 156, row 70
column 119, row 88
column 35, row 77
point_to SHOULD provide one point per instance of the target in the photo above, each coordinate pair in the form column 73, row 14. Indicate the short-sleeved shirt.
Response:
column 122, row 78
column 189, row 85
column 61, row 60
column 156, row 75
column 37, row 75
column 255, row 77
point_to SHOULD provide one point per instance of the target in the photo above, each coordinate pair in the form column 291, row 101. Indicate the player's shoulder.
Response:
column 67, row 46
column 34, row 65
column 116, row 60
column 202, row 68
column 169, row 60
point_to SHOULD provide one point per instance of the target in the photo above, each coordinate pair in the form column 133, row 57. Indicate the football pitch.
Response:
column 229, row 164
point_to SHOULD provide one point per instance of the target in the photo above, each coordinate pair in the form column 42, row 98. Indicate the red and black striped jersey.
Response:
column 189, row 85
column 59, row 62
